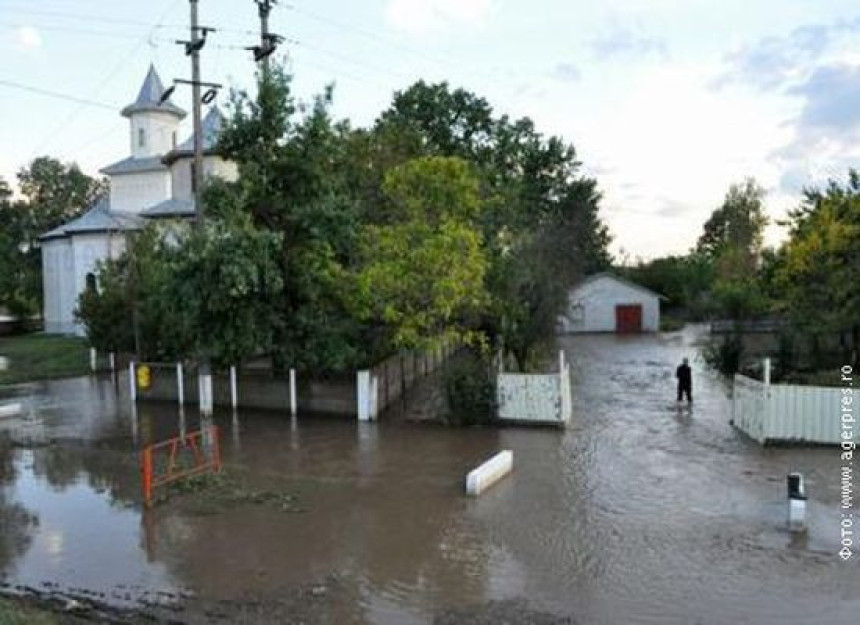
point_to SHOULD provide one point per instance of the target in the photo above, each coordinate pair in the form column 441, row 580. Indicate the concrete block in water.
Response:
column 480, row 479
column 10, row 410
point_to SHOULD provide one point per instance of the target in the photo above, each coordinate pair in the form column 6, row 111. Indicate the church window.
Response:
column 141, row 137
column 174, row 138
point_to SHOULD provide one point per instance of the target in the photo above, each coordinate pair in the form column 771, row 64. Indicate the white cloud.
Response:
column 426, row 15
column 29, row 37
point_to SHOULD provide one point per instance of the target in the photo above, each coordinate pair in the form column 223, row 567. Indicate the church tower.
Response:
column 142, row 180
column 152, row 126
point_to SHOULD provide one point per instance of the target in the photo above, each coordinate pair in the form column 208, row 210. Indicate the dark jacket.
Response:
column 685, row 376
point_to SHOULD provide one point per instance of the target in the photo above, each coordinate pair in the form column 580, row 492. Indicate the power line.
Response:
column 56, row 94
column 66, row 122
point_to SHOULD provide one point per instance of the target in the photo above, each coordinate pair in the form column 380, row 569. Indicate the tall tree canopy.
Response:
column 818, row 276
column 52, row 193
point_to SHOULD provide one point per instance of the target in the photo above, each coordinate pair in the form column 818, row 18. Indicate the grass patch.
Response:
column 23, row 612
column 210, row 494
column 43, row 356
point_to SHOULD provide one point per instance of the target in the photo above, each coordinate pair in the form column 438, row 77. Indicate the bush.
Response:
column 724, row 355
column 470, row 390
column 670, row 324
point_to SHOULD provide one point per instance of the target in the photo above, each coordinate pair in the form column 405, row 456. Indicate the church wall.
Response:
column 158, row 134
column 88, row 250
column 180, row 172
column 58, row 283
column 133, row 193
column 65, row 265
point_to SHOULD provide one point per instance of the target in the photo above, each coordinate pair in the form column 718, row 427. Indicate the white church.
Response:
column 153, row 183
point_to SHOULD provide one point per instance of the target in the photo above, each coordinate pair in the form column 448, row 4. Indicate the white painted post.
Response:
column 204, row 382
column 93, row 359
column 234, row 395
column 374, row 398
column 363, row 395
column 180, row 385
column 293, row 400
column 796, row 502
column 767, row 371
column 112, row 358
column 132, row 381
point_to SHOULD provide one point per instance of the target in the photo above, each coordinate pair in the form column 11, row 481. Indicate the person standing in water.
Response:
column 685, row 381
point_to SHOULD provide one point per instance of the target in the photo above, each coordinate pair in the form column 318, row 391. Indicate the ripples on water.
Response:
column 638, row 513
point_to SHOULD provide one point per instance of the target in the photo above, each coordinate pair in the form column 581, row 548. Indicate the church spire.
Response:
column 148, row 98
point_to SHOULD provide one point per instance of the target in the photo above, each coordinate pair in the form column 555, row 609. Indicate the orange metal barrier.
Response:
column 195, row 453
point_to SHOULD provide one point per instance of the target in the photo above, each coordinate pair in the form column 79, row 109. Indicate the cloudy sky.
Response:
column 667, row 101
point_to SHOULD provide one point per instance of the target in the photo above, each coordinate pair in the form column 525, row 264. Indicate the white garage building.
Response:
column 606, row 303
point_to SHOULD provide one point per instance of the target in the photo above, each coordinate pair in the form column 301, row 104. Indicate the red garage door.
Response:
column 628, row 318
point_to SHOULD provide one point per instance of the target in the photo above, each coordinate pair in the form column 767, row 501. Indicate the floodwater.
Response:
column 638, row 513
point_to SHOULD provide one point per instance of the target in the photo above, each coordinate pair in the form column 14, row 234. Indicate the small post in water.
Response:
column 180, row 385
column 293, row 406
column 204, row 381
column 93, row 359
column 796, row 502
column 132, row 381
column 234, row 394
column 112, row 358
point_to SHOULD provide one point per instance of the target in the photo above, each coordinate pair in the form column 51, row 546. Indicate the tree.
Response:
column 732, row 239
column 738, row 224
column 541, row 227
column 181, row 291
column 819, row 273
column 423, row 274
column 290, row 183
column 52, row 194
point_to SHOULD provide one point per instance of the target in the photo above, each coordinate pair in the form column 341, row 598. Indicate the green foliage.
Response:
column 52, row 194
column 738, row 224
column 817, row 273
column 291, row 182
column 183, row 292
column 724, row 355
column 470, row 389
column 686, row 281
column 42, row 357
column 540, row 224
column 423, row 274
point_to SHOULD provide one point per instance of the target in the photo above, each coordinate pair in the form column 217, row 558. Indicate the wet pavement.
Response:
column 638, row 513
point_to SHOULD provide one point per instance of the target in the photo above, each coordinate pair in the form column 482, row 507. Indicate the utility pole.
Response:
column 194, row 48
column 268, row 41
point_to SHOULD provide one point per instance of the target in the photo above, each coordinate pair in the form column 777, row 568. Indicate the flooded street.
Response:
column 638, row 513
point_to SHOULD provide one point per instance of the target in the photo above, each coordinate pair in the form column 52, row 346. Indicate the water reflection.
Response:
column 624, row 517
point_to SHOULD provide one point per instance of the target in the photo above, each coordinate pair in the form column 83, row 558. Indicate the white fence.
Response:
column 535, row 398
column 787, row 412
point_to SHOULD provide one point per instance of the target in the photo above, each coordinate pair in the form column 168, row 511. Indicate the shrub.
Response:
column 470, row 390
column 724, row 355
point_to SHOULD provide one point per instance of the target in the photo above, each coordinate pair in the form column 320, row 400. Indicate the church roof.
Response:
column 171, row 207
column 133, row 165
column 98, row 218
column 211, row 126
column 149, row 96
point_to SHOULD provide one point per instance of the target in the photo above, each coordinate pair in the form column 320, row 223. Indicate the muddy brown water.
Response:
column 637, row 513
